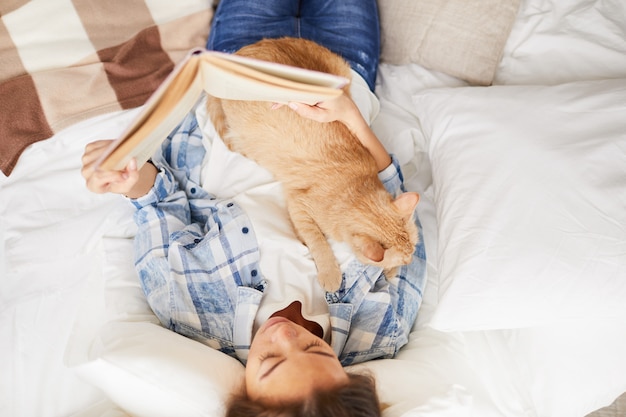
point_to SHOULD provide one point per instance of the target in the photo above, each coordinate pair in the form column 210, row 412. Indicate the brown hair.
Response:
column 356, row 399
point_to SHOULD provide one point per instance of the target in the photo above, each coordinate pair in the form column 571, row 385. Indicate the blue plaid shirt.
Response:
column 198, row 262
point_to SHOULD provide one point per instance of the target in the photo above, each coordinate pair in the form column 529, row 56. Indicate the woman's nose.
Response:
column 285, row 334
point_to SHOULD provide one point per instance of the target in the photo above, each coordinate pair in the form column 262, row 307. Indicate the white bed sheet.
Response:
column 65, row 257
column 51, row 263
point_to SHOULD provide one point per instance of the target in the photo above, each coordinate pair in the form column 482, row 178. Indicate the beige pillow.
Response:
column 461, row 38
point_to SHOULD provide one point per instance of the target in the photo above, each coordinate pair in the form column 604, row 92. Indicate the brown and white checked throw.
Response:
column 62, row 61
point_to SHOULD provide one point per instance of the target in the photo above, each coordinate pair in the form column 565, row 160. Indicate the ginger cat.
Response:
column 330, row 179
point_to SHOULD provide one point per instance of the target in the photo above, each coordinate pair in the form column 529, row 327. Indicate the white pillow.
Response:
column 530, row 189
column 150, row 371
column 145, row 369
column 548, row 45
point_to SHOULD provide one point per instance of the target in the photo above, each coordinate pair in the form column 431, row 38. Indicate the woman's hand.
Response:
column 130, row 182
column 341, row 109
column 344, row 110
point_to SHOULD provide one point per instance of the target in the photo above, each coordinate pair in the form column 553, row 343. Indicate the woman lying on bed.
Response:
column 198, row 258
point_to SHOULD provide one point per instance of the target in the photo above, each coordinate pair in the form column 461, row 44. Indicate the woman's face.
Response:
column 287, row 362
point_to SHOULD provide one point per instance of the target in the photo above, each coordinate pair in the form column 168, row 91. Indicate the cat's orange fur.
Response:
column 329, row 178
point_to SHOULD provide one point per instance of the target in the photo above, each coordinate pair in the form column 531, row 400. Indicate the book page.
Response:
column 161, row 114
column 221, row 75
column 240, row 78
column 227, row 84
column 275, row 73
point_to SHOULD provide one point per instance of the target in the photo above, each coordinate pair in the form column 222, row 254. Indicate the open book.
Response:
column 221, row 75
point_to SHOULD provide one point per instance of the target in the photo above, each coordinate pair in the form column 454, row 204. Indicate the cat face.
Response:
column 393, row 241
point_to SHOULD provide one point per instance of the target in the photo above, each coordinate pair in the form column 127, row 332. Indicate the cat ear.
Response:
column 370, row 248
column 406, row 203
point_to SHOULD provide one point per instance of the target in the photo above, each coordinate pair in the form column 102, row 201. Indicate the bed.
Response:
column 509, row 118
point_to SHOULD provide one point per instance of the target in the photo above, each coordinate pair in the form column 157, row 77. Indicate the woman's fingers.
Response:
column 119, row 182
column 337, row 109
column 103, row 181
column 318, row 112
column 92, row 153
column 94, row 150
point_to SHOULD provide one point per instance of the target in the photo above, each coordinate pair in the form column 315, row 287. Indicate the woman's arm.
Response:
column 187, row 243
column 344, row 110
column 131, row 182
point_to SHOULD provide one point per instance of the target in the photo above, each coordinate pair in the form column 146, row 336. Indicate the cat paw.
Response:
column 330, row 280
column 390, row 272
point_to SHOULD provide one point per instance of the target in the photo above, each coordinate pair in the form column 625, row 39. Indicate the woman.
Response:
column 198, row 258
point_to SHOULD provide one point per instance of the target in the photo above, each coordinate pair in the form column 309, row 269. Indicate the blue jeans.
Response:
column 349, row 28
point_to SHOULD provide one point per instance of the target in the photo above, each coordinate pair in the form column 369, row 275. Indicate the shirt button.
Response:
column 193, row 190
column 197, row 240
column 229, row 205
column 253, row 272
column 245, row 230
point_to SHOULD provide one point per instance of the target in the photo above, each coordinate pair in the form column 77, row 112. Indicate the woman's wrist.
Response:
column 359, row 128
column 147, row 176
column 351, row 116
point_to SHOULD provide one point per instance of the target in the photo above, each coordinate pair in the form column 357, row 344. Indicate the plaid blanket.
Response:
column 66, row 60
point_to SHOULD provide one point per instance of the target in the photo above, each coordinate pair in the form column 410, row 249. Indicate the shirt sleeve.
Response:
column 164, row 216
column 392, row 178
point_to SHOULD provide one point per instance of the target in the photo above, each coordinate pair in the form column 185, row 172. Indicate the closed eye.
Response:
column 307, row 349
column 313, row 344
column 269, row 371
column 265, row 356
column 270, row 355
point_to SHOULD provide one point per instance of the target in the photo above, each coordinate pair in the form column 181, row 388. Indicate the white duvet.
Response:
column 524, row 210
